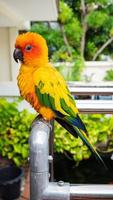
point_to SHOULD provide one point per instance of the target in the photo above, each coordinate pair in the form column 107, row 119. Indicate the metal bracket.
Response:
column 57, row 191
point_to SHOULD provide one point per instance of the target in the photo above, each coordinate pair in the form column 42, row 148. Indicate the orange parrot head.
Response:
column 31, row 49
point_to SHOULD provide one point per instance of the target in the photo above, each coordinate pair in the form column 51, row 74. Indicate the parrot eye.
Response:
column 28, row 47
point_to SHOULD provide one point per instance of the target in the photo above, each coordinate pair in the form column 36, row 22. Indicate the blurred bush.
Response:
column 14, row 132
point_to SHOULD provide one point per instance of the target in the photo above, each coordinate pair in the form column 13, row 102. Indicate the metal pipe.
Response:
column 39, row 152
column 51, row 152
column 91, row 192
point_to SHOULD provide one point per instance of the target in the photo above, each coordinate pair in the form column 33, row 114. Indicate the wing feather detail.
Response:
column 52, row 92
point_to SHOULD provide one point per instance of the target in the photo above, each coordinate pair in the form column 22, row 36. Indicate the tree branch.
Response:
column 102, row 48
column 84, row 26
column 65, row 39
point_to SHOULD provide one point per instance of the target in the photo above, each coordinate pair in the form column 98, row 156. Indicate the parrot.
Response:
column 45, row 89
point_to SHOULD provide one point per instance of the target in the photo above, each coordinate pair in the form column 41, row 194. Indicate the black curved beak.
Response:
column 17, row 55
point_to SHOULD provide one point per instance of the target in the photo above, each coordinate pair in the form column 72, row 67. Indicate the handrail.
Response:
column 83, row 91
column 40, row 187
column 95, row 106
column 80, row 88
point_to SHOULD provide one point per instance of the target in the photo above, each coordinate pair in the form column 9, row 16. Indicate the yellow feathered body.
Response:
column 53, row 82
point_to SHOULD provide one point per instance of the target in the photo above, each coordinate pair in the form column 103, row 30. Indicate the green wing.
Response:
column 52, row 92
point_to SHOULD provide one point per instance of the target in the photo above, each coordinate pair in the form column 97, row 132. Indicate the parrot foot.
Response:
column 47, row 122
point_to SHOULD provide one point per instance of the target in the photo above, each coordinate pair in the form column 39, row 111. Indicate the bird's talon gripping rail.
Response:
column 41, row 188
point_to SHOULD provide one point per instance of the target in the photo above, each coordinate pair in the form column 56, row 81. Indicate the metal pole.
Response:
column 40, row 188
column 51, row 151
column 91, row 192
column 39, row 151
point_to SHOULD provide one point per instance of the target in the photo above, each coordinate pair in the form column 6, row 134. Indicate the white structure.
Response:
column 95, row 71
column 15, row 15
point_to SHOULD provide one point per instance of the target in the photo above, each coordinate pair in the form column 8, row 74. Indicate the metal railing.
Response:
column 92, row 89
column 40, row 186
column 81, row 88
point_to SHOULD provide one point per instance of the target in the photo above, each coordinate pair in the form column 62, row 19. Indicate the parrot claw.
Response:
column 47, row 122
column 40, row 118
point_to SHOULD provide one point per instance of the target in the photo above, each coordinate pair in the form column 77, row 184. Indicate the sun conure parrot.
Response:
column 45, row 88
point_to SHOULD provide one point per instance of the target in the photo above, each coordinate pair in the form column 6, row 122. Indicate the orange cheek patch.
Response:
column 34, row 53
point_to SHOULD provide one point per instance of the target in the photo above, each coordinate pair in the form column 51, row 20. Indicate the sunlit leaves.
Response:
column 65, row 13
column 74, row 32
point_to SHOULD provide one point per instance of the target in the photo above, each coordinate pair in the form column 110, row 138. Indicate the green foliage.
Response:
column 73, row 31
column 72, row 72
column 100, row 131
column 111, row 32
column 65, row 13
column 14, row 132
column 109, row 75
column 97, row 19
column 91, row 49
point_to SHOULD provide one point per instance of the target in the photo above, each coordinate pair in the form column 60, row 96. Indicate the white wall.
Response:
column 8, row 68
column 5, row 73
column 95, row 71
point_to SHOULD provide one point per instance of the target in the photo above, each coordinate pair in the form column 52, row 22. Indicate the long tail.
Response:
column 72, row 127
column 85, row 139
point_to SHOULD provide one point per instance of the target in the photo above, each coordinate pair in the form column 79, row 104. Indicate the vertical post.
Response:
column 5, row 58
column 51, row 151
column 39, row 152
column 12, row 33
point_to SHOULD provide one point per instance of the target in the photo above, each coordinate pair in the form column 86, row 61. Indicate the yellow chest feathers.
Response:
column 27, row 88
column 27, row 91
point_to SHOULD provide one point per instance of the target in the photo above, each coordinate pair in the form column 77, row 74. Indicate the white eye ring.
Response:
column 28, row 47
